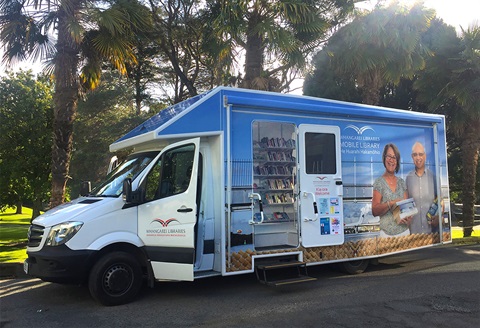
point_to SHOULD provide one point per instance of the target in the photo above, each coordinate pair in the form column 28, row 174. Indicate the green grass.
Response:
column 458, row 233
column 14, row 227
column 457, row 236
column 13, row 235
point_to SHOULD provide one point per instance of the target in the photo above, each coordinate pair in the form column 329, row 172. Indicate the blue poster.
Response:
column 325, row 226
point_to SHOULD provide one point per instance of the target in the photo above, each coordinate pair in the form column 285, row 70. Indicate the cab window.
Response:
column 172, row 174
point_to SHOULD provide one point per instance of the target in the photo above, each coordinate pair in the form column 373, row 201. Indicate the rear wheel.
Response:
column 353, row 267
column 115, row 279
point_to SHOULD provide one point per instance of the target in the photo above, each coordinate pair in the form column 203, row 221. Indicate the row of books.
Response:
column 278, row 184
column 278, row 156
column 277, row 143
column 275, row 216
column 273, row 170
column 273, row 198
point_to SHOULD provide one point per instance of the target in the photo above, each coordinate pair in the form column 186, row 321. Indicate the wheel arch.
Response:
column 138, row 252
column 354, row 266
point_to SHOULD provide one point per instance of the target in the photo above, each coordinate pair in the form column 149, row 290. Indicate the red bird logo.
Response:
column 165, row 223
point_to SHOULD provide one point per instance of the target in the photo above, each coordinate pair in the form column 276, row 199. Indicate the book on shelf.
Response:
column 281, row 216
column 266, row 142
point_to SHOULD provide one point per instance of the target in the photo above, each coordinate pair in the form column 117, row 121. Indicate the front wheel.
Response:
column 115, row 279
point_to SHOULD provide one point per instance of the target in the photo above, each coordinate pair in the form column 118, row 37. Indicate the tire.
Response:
column 354, row 267
column 115, row 279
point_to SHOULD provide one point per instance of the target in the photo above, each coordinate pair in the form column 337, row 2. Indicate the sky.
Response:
column 453, row 12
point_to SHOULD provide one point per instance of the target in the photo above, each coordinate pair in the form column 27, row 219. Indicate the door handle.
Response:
column 184, row 210
column 253, row 196
column 315, row 208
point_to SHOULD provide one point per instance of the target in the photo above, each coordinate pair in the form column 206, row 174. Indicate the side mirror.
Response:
column 85, row 188
column 127, row 190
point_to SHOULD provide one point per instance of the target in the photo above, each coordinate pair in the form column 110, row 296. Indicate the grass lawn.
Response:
column 457, row 236
column 14, row 227
column 13, row 235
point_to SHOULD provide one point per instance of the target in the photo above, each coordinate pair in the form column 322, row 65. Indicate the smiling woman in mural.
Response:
column 388, row 189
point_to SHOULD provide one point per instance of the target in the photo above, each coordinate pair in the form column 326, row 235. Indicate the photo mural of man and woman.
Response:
column 393, row 176
column 419, row 187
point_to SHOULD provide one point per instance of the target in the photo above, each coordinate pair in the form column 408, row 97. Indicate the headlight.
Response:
column 63, row 232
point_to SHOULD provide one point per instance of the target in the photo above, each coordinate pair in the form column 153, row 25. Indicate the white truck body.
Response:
column 226, row 180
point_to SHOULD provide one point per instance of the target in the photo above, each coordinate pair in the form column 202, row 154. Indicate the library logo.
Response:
column 165, row 223
column 359, row 130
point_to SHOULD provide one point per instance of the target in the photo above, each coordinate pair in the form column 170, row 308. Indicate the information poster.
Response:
column 325, row 226
column 323, row 208
column 336, row 226
column 334, row 205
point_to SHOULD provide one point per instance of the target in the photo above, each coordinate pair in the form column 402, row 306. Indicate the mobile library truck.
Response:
column 237, row 181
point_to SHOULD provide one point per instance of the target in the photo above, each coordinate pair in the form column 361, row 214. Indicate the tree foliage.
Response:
column 26, row 142
column 106, row 114
column 277, row 37
column 75, row 35
column 450, row 84
column 179, row 38
column 325, row 82
column 381, row 46
column 447, row 83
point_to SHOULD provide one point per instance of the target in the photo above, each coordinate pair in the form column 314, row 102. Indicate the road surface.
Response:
column 431, row 287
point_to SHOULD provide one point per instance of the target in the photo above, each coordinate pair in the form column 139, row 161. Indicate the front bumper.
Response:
column 59, row 264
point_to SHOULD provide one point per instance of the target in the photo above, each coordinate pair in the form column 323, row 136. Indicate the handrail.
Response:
column 315, row 208
column 257, row 196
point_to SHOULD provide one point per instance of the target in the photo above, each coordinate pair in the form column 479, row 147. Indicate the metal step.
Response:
column 206, row 274
column 278, row 273
column 295, row 280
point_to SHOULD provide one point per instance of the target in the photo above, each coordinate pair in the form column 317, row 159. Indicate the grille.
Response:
column 35, row 234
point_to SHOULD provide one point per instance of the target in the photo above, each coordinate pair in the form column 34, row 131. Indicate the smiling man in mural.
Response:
column 421, row 187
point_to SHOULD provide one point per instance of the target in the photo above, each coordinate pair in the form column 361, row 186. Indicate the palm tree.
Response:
column 277, row 36
column 464, row 87
column 450, row 84
column 381, row 46
column 75, row 36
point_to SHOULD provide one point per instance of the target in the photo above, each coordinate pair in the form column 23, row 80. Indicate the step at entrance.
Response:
column 278, row 273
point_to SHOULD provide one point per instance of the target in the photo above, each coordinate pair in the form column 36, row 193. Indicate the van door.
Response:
column 321, row 190
column 167, row 218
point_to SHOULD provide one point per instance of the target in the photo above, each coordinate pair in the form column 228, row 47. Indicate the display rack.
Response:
column 274, row 177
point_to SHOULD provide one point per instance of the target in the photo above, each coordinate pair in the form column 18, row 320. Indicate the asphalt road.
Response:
column 432, row 287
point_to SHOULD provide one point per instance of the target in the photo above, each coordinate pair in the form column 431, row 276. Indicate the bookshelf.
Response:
column 274, row 170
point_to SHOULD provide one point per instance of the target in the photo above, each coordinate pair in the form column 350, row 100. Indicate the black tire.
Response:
column 115, row 279
column 354, row 267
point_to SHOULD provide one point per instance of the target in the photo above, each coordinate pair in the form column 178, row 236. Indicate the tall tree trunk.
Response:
column 138, row 91
column 371, row 83
column 19, row 207
column 37, row 207
column 254, row 58
column 470, row 149
column 65, row 103
column 167, row 44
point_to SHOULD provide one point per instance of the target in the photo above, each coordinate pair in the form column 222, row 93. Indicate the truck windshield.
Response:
column 131, row 168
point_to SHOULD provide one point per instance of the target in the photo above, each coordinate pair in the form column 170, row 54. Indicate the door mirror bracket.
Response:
column 127, row 191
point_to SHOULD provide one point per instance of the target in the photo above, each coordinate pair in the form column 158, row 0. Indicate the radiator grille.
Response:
column 35, row 234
